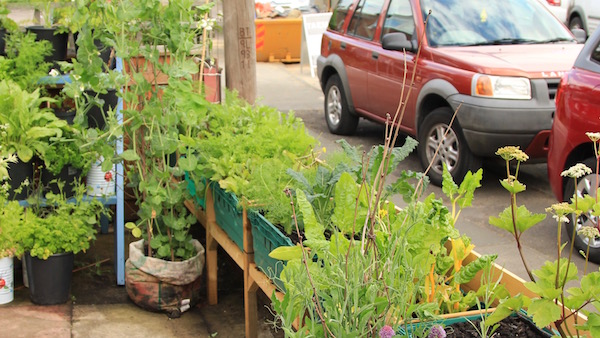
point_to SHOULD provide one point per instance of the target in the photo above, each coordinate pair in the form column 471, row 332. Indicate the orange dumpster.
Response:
column 278, row 40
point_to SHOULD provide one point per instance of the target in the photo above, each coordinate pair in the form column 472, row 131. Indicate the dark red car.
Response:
column 577, row 112
column 497, row 63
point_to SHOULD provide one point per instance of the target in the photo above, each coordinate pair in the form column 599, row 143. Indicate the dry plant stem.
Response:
column 91, row 265
column 326, row 330
column 203, row 55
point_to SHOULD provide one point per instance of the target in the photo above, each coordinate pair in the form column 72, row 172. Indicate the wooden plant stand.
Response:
column 254, row 279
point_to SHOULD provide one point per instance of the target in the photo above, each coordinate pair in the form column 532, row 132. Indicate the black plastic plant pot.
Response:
column 96, row 115
column 19, row 173
column 59, row 41
column 68, row 175
column 2, row 41
column 66, row 115
column 50, row 279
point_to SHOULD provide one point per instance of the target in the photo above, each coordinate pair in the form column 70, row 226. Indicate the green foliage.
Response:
column 378, row 264
column 11, row 215
column 554, row 302
column 27, row 127
column 58, row 225
column 163, row 121
column 24, row 62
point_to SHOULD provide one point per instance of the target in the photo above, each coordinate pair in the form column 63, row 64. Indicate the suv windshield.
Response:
column 476, row 22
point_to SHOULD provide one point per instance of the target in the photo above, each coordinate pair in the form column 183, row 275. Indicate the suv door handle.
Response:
column 375, row 55
column 343, row 45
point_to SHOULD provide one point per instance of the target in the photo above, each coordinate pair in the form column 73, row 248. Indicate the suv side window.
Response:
column 339, row 15
column 596, row 54
column 364, row 20
column 399, row 19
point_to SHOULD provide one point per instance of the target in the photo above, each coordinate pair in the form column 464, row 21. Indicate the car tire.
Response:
column 585, row 185
column 453, row 150
column 339, row 119
column 576, row 23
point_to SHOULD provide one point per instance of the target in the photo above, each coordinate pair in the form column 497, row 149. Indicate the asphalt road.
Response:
column 290, row 87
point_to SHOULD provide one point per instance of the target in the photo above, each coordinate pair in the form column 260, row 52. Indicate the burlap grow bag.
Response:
column 159, row 285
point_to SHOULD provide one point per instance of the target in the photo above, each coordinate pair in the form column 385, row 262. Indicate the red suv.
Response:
column 577, row 112
column 497, row 63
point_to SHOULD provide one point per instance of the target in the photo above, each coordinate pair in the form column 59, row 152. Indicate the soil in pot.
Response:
column 512, row 326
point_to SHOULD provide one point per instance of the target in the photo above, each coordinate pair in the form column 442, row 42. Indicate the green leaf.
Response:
column 449, row 188
column 312, row 228
column 188, row 163
column 468, row 186
column 136, row 232
column 164, row 251
column 468, row 272
column 544, row 312
column 346, row 192
column 514, row 188
column 524, row 219
column 286, row 253
column 506, row 308
column 130, row 155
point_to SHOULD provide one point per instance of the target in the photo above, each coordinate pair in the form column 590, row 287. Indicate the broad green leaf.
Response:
column 513, row 187
column 312, row 228
column 346, row 192
column 449, row 188
column 188, row 163
column 468, row 272
column 506, row 308
column 130, row 155
column 544, row 312
column 524, row 219
column 592, row 325
column 164, row 251
column 25, row 153
column 286, row 253
column 136, row 232
column 467, row 187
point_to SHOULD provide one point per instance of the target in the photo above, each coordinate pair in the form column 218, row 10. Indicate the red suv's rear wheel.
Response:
column 436, row 134
column 337, row 114
column 585, row 185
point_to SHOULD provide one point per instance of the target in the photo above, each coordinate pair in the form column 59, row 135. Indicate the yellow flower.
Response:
column 512, row 153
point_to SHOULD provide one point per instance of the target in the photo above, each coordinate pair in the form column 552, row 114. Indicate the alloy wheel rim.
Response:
column 448, row 152
column 587, row 185
column 334, row 106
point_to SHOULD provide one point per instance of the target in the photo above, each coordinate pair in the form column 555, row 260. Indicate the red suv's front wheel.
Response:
column 441, row 142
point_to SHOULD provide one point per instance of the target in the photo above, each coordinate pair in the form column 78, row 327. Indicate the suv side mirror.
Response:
column 396, row 41
column 579, row 34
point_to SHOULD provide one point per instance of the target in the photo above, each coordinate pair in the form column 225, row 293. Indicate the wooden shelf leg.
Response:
column 250, row 302
column 211, row 249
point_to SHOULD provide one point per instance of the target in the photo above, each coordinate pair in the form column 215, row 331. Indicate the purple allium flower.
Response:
column 386, row 332
column 437, row 331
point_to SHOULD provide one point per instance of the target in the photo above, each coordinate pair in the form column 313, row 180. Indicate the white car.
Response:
column 560, row 8
column 584, row 14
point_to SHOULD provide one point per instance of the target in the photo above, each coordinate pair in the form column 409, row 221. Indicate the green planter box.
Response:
column 191, row 186
column 228, row 214
column 266, row 238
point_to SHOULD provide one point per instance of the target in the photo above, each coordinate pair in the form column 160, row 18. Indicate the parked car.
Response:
column 577, row 112
column 496, row 63
column 584, row 14
column 560, row 8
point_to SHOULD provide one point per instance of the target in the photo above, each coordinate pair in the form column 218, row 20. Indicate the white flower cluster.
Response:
column 577, row 171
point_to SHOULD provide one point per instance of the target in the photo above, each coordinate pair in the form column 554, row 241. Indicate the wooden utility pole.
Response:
column 240, row 47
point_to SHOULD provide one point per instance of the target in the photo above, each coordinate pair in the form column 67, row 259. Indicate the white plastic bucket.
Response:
column 100, row 183
column 7, row 286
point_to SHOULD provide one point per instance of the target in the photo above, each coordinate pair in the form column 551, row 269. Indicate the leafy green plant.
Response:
column 11, row 213
column 28, row 126
column 378, row 265
column 5, row 21
column 24, row 62
column 58, row 225
column 556, row 303
column 160, row 117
